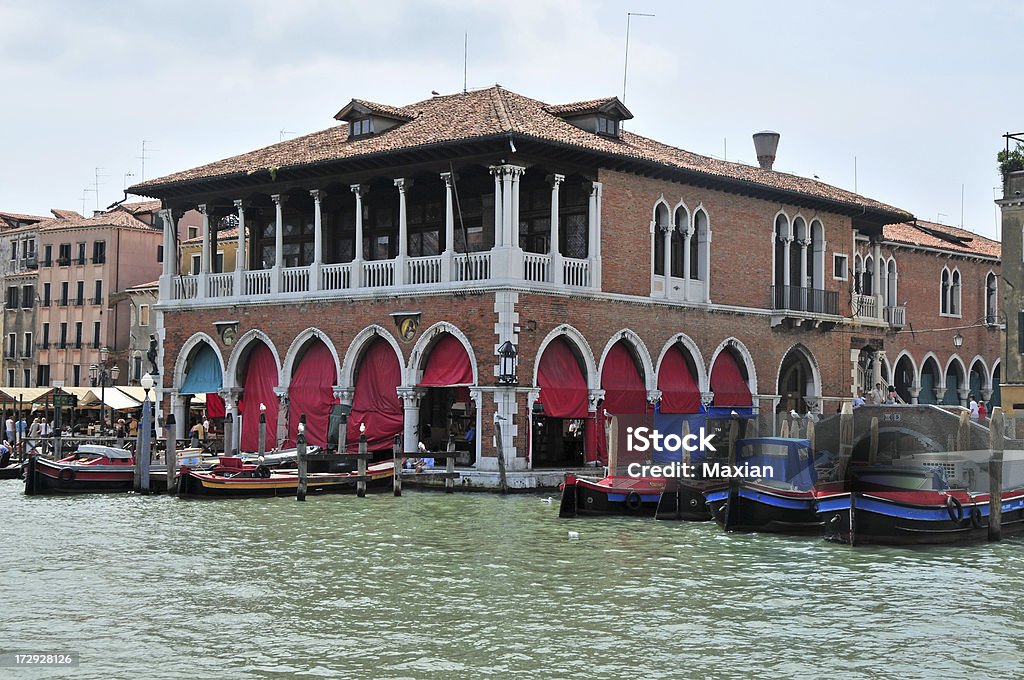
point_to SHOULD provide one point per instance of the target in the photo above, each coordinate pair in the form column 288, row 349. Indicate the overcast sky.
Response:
column 918, row 92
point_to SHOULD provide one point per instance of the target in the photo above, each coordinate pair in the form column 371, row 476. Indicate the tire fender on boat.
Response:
column 66, row 475
column 976, row 517
column 633, row 501
column 955, row 508
column 262, row 471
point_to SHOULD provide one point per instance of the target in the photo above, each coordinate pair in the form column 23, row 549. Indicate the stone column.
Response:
column 963, row 393
column 557, row 271
column 231, row 396
column 179, row 407
column 204, row 259
column 240, row 254
column 915, row 392
column 666, row 236
column 318, row 240
column 403, row 231
column 876, row 278
column 506, row 205
column 449, row 227
column 357, row 259
column 687, row 233
column 787, row 267
column 803, row 275
column 170, row 263
column 275, row 276
column 344, row 396
column 594, row 235
column 498, row 171
column 281, row 427
column 410, row 397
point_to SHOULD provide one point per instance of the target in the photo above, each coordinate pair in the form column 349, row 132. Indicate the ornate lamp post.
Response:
column 101, row 374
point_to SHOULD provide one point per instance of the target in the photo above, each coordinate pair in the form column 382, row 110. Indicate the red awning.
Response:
column 312, row 393
column 258, row 388
column 679, row 391
column 727, row 382
column 624, row 389
column 215, row 407
column 563, row 389
column 376, row 400
column 448, row 364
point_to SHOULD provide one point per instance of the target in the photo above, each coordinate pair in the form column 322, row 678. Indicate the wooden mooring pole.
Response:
column 449, row 466
column 846, row 460
column 995, row 475
column 396, row 451
column 229, row 442
column 263, row 435
column 300, row 455
column 361, row 466
column 171, row 455
column 143, row 451
column 502, row 480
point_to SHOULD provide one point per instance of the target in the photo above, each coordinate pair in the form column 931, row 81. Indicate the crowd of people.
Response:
column 977, row 408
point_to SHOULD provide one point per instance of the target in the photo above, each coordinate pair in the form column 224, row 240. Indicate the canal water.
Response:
column 429, row 585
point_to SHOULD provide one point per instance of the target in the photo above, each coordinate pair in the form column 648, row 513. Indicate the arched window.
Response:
column 680, row 233
column 858, row 272
column 799, row 251
column 944, row 309
column 867, row 284
column 816, row 266
column 891, row 284
column 782, row 236
column 700, row 246
column 991, row 302
column 954, row 293
column 660, row 224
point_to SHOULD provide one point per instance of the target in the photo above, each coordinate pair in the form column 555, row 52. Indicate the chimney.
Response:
column 765, row 145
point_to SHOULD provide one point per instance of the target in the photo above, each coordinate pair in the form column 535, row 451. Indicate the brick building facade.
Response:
column 623, row 271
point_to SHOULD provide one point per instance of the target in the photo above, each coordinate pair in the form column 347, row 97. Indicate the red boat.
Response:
column 91, row 469
column 232, row 478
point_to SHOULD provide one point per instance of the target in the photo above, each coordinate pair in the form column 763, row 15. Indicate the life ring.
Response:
column 262, row 471
column 955, row 508
column 976, row 517
column 633, row 501
column 66, row 475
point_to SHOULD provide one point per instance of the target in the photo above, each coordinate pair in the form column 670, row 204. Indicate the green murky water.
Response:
column 480, row 586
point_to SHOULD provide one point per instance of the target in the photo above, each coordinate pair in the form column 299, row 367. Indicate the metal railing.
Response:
column 810, row 300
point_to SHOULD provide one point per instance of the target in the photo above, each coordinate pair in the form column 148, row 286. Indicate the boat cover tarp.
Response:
column 376, row 402
column 787, row 461
column 204, row 374
column 679, row 391
column 448, row 364
column 673, row 423
column 258, row 388
column 624, row 389
column 312, row 393
column 727, row 382
column 563, row 389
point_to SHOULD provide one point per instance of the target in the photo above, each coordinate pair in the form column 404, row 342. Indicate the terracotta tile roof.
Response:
column 145, row 286
column 141, row 207
column 22, row 218
column 493, row 112
column 222, row 235
column 373, row 107
column 114, row 218
column 586, row 106
column 65, row 214
column 942, row 237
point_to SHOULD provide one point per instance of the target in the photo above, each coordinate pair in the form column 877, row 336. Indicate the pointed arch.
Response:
column 579, row 344
column 930, row 377
column 420, row 353
column 810, row 389
column 639, row 350
column 904, row 376
column 625, row 371
column 746, row 361
column 359, row 343
column 695, row 355
column 188, row 350
column 660, row 224
column 817, row 254
column 242, row 348
column 700, row 249
column 298, row 346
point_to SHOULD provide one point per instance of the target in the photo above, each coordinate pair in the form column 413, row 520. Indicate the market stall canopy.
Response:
column 116, row 399
column 25, row 394
column 86, row 396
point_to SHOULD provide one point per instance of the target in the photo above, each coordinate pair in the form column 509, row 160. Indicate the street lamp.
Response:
column 958, row 340
column 100, row 374
column 507, row 364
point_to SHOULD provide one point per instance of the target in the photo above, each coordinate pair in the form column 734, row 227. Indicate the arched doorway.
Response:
column 559, row 425
column 677, row 381
column 976, row 380
column 258, row 375
column 311, row 392
column 625, row 393
column 796, row 382
column 954, row 382
column 730, row 381
column 375, row 401
column 929, row 381
column 903, row 378
column 996, row 399
column 203, row 375
column 446, row 408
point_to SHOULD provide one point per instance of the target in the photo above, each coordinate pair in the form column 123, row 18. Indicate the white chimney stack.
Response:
column 766, row 143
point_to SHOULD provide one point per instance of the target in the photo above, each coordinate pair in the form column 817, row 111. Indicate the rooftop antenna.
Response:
column 143, row 158
column 465, row 63
column 96, row 183
column 625, row 61
column 126, row 176
column 939, row 216
column 84, row 192
column 855, row 174
column 282, row 133
column 962, row 205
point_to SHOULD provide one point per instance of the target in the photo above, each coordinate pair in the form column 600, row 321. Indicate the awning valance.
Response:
column 679, row 391
column 375, row 401
column 727, row 382
column 624, row 389
column 448, row 364
column 563, row 389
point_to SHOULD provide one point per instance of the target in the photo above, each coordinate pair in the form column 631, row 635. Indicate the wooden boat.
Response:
column 91, row 469
column 771, row 488
column 920, row 499
column 233, row 478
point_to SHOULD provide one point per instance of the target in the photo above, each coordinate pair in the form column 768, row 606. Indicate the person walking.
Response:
column 9, row 427
column 982, row 412
column 973, row 406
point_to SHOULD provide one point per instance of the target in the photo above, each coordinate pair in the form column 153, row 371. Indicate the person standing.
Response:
column 973, row 406
column 877, row 395
column 858, row 400
column 33, row 433
column 9, row 426
column 982, row 412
